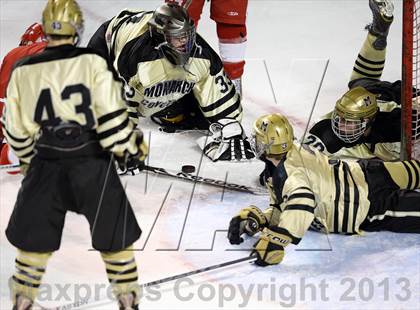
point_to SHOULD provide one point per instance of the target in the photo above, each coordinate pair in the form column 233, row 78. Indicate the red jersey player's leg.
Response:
column 230, row 16
column 195, row 10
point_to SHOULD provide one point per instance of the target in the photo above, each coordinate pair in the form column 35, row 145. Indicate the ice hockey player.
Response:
column 66, row 129
column 366, row 121
column 230, row 18
column 309, row 190
column 173, row 76
column 33, row 41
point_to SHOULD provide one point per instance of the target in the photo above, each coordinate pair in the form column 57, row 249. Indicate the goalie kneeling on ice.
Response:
column 227, row 141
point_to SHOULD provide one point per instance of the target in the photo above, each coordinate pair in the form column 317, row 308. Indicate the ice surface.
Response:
column 289, row 44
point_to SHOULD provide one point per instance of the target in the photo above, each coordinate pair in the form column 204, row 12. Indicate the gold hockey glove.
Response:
column 133, row 164
column 250, row 220
column 270, row 247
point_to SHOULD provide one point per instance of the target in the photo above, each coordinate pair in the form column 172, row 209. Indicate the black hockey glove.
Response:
column 227, row 142
column 270, row 247
column 133, row 164
column 250, row 220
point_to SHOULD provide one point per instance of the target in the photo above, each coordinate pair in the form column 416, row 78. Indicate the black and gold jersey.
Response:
column 311, row 187
column 66, row 85
column 382, row 141
column 153, row 83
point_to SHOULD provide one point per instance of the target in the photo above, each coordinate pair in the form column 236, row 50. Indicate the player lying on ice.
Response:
column 311, row 191
column 173, row 76
column 366, row 121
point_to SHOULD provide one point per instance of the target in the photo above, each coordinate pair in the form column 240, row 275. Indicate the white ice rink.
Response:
column 289, row 46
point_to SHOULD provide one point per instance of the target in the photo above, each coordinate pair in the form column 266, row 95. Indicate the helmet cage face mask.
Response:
column 348, row 130
column 181, row 42
column 178, row 45
column 174, row 31
column 257, row 146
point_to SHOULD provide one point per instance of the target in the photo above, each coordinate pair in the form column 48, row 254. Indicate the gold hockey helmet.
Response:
column 63, row 17
column 175, row 32
column 272, row 135
column 353, row 114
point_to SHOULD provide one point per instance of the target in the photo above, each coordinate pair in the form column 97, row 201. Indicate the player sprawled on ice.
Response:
column 366, row 121
column 66, row 120
column 173, row 76
column 309, row 190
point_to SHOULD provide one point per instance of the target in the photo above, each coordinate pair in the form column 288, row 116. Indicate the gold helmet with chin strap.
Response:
column 63, row 18
column 272, row 135
column 353, row 113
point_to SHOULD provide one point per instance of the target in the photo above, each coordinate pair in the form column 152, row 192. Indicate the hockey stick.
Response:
column 85, row 302
column 209, row 181
column 188, row 177
column 10, row 166
column 201, row 270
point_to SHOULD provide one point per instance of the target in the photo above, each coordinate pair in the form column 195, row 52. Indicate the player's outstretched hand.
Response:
column 250, row 220
column 227, row 142
column 270, row 247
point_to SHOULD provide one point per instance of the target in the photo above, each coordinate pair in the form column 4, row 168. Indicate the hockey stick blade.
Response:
column 209, row 181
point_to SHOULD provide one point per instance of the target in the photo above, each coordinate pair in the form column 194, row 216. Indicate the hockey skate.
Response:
column 126, row 302
column 382, row 11
column 22, row 303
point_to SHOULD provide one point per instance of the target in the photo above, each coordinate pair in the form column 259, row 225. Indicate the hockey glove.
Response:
column 133, row 164
column 270, row 247
column 227, row 142
column 250, row 220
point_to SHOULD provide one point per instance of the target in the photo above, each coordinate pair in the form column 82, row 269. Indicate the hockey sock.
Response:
column 405, row 174
column 232, row 46
column 121, row 269
column 30, row 267
column 370, row 62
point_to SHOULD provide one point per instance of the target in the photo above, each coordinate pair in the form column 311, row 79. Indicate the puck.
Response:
column 188, row 169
